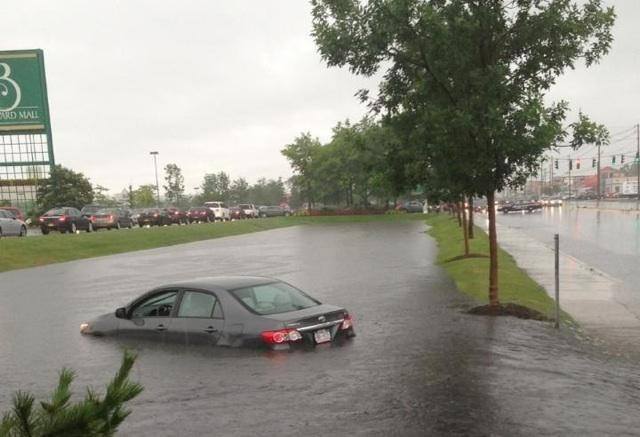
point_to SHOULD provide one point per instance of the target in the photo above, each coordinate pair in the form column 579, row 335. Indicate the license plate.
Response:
column 51, row 225
column 322, row 336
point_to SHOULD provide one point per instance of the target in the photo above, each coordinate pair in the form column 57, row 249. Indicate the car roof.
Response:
column 224, row 282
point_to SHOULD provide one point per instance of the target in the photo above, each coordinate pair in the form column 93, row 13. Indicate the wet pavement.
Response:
column 419, row 365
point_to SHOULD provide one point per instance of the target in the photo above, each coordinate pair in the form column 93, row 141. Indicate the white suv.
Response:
column 220, row 210
column 249, row 209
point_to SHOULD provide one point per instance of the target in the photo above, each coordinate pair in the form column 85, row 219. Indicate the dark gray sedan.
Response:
column 227, row 311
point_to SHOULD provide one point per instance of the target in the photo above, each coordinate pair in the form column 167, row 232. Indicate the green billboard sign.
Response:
column 24, row 106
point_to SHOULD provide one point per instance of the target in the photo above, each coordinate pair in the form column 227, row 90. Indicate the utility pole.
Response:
column 598, row 144
column 638, row 159
column 155, row 164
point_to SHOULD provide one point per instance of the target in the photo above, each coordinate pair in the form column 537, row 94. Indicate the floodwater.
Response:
column 607, row 240
column 419, row 365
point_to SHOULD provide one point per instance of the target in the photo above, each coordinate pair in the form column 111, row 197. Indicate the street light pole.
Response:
column 155, row 164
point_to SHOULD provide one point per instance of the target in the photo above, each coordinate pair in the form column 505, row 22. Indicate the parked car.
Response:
column 208, row 311
column 273, row 211
column 220, row 210
column 177, row 216
column 200, row 215
column 237, row 213
column 17, row 213
column 10, row 225
column 111, row 218
column 411, row 206
column 135, row 215
column 154, row 217
column 64, row 219
column 249, row 209
column 526, row 206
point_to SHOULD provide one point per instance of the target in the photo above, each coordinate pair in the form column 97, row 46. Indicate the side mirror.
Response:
column 121, row 313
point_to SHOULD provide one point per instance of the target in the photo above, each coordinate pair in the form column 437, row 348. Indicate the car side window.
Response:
column 2, row 214
column 158, row 305
column 198, row 304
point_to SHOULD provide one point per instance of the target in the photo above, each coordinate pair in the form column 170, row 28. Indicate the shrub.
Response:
column 93, row 416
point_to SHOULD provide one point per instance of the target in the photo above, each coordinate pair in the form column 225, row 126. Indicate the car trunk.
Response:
column 317, row 324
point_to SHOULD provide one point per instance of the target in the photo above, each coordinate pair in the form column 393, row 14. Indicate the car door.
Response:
column 5, row 224
column 13, row 224
column 151, row 317
column 199, row 317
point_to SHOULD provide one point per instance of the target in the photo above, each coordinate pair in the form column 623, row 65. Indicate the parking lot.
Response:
column 419, row 365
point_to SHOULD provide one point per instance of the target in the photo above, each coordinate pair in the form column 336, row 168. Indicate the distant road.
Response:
column 608, row 240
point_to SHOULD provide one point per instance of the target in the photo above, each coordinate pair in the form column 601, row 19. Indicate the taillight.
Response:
column 93, row 218
column 155, row 215
column 63, row 218
column 41, row 219
column 111, row 218
column 347, row 322
column 281, row 336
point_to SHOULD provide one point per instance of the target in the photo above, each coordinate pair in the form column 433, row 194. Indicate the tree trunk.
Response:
column 471, row 217
column 493, row 251
column 309, row 201
column 458, row 212
column 465, row 229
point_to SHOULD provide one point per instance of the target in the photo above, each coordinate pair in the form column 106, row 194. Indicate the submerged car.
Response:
column 233, row 311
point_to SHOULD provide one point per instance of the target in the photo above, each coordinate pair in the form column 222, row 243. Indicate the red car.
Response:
column 177, row 216
column 15, row 211
column 201, row 215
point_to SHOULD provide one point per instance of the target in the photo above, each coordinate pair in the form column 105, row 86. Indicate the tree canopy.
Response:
column 64, row 187
column 464, row 81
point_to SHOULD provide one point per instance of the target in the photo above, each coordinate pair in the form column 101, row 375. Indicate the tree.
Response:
column 64, row 187
column 301, row 155
column 215, row 186
column 468, row 79
column 267, row 192
column 239, row 190
column 95, row 415
column 101, row 198
column 174, row 189
column 144, row 196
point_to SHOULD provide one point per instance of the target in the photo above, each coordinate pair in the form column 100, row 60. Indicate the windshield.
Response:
column 273, row 298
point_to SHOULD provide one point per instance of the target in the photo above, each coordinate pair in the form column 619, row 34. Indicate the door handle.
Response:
column 210, row 330
column 161, row 328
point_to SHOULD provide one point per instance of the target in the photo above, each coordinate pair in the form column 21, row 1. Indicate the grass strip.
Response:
column 18, row 253
column 471, row 275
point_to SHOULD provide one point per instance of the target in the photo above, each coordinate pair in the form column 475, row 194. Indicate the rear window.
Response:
column 274, row 298
column 56, row 211
column 243, row 206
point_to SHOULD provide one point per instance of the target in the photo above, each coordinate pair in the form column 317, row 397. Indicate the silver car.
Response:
column 10, row 225
column 227, row 311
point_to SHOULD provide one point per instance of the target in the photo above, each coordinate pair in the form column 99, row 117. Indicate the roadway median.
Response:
column 471, row 274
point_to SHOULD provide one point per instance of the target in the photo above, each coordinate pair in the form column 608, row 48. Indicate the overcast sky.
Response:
column 224, row 85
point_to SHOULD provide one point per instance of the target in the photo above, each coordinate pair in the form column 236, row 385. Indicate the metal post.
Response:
column 599, row 183
column 638, row 159
column 155, row 164
column 556, row 239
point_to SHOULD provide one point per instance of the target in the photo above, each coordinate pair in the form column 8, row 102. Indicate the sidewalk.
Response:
column 590, row 296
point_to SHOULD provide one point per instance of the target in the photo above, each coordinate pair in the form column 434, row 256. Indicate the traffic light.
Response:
column 578, row 164
column 556, row 164
column 593, row 163
column 570, row 164
column 621, row 159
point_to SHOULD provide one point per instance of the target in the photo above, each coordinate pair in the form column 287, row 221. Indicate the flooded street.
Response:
column 419, row 365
